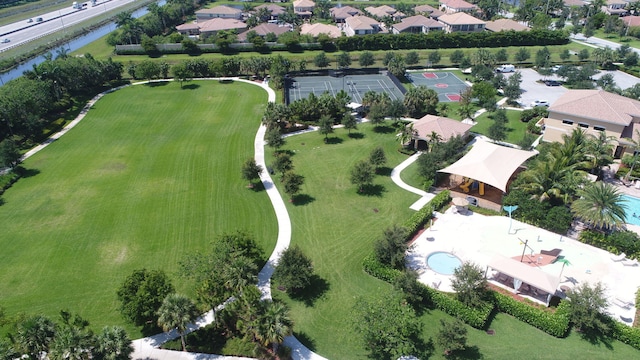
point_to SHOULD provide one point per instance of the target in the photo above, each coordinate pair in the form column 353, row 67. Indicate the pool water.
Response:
column 444, row 263
column 632, row 206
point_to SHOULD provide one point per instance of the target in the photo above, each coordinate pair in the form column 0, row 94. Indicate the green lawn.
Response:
column 150, row 175
column 515, row 128
column 336, row 228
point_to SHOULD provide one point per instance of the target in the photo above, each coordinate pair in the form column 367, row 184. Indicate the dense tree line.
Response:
column 28, row 102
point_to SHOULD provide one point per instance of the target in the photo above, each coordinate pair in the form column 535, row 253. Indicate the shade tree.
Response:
column 391, row 247
column 251, row 170
column 362, row 175
column 294, row 270
column 292, row 184
column 470, row 284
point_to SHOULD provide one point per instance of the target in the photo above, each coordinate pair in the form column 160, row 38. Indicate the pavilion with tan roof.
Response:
column 446, row 129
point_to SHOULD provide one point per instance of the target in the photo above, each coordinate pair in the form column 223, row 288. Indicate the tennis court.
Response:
column 446, row 84
column 355, row 85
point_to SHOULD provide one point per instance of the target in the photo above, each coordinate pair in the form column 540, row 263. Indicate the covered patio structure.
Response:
column 523, row 278
column 488, row 163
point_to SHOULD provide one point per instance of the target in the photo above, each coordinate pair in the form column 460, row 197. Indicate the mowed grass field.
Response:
column 337, row 227
column 151, row 175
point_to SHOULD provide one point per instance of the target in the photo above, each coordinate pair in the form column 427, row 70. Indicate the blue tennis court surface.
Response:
column 355, row 86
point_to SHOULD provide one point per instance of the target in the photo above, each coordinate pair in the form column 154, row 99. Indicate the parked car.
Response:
column 539, row 103
column 555, row 68
column 505, row 68
column 552, row 83
column 30, row 20
column 5, row 40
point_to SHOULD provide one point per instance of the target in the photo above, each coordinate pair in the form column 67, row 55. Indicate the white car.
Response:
column 535, row 103
column 5, row 40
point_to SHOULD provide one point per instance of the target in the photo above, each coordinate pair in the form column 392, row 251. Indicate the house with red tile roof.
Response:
column 417, row 24
column 593, row 111
column 339, row 14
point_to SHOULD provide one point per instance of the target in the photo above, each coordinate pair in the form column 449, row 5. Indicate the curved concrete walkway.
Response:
column 148, row 348
column 425, row 197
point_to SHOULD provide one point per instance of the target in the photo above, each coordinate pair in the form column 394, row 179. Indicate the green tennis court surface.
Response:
column 355, row 85
column 446, row 84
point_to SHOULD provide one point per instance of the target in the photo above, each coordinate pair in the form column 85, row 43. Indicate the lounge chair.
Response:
column 622, row 303
column 554, row 252
column 630, row 262
column 620, row 257
column 436, row 284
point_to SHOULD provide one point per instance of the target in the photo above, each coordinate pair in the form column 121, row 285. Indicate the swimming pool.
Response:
column 443, row 262
column 632, row 207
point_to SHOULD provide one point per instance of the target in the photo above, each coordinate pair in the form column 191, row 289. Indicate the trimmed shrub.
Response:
column 417, row 220
column 378, row 270
column 476, row 317
column 626, row 334
column 556, row 324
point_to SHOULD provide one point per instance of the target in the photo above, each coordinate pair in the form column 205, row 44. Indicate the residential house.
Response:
column 189, row 29
column 303, row 8
column 339, row 14
column 615, row 7
column 224, row 12
column 461, row 22
column 361, row 25
column 578, row 3
column 446, row 129
column 318, row 28
column 276, row 10
column 455, row 6
column 505, row 25
column 211, row 27
column 593, row 111
column 417, row 24
column 381, row 12
column 631, row 21
column 263, row 30
column 428, row 11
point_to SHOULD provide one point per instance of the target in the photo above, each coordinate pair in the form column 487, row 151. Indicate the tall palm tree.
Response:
column 636, row 147
column 34, row 335
column 552, row 177
column 273, row 325
column 434, row 139
column 600, row 151
column 113, row 343
column 176, row 312
column 600, row 206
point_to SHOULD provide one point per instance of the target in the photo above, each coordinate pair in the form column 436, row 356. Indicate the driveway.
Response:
column 533, row 90
column 622, row 79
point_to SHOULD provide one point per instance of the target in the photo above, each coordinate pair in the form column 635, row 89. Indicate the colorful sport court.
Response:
column 355, row 86
column 446, row 84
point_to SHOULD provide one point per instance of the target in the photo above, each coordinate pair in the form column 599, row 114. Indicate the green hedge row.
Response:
column 418, row 219
column 626, row 334
column 556, row 324
column 373, row 267
column 477, row 317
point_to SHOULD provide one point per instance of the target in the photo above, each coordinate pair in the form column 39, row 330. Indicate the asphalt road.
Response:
column 23, row 31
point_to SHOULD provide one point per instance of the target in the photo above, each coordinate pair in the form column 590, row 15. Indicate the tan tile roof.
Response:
column 597, row 104
column 218, row 24
column 631, row 20
column 616, row 2
column 221, row 9
column 380, row 11
column 361, row 22
column 344, row 12
column 417, row 20
column 188, row 26
column 459, row 18
column 264, row 29
column 275, row 9
column 574, row 2
column 318, row 28
column 445, row 127
column 457, row 4
column 505, row 25
column 303, row 3
column 427, row 9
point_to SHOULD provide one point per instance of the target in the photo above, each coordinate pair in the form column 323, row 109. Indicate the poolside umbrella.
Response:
column 564, row 263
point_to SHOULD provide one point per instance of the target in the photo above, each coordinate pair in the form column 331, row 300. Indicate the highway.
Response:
column 24, row 31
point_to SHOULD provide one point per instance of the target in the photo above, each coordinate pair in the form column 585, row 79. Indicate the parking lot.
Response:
column 532, row 90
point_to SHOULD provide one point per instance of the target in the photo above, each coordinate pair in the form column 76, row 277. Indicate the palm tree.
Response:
column 34, row 335
column 552, row 177
column 636, row 147
column 405, row 133
column 600, row 151
column 113, row 343
column 240, row 272
column 434, row 139
column 176, row 312
column 273, row 325
column 600, row 206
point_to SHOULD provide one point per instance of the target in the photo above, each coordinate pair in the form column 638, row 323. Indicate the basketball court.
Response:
column 354, row 85
column 446, row 84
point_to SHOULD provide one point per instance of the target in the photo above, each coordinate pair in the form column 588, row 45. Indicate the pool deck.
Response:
column 478, row 238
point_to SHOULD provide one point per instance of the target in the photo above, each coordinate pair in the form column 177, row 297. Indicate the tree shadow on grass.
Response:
column 383, row 129
column 284, row 151
column 305, row 340
column 256, row 187
column 384, row 171
column 26, row 173
column 333, row 140
column 372, row 190
column 191, row 86
column 469, row 353
column 316, row 289
column 598, row 338
column 157, row 83
column 356, row 135
column 303, row 199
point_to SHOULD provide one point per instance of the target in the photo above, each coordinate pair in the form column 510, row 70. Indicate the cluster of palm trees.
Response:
column 560, row 175
column 38, row 337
